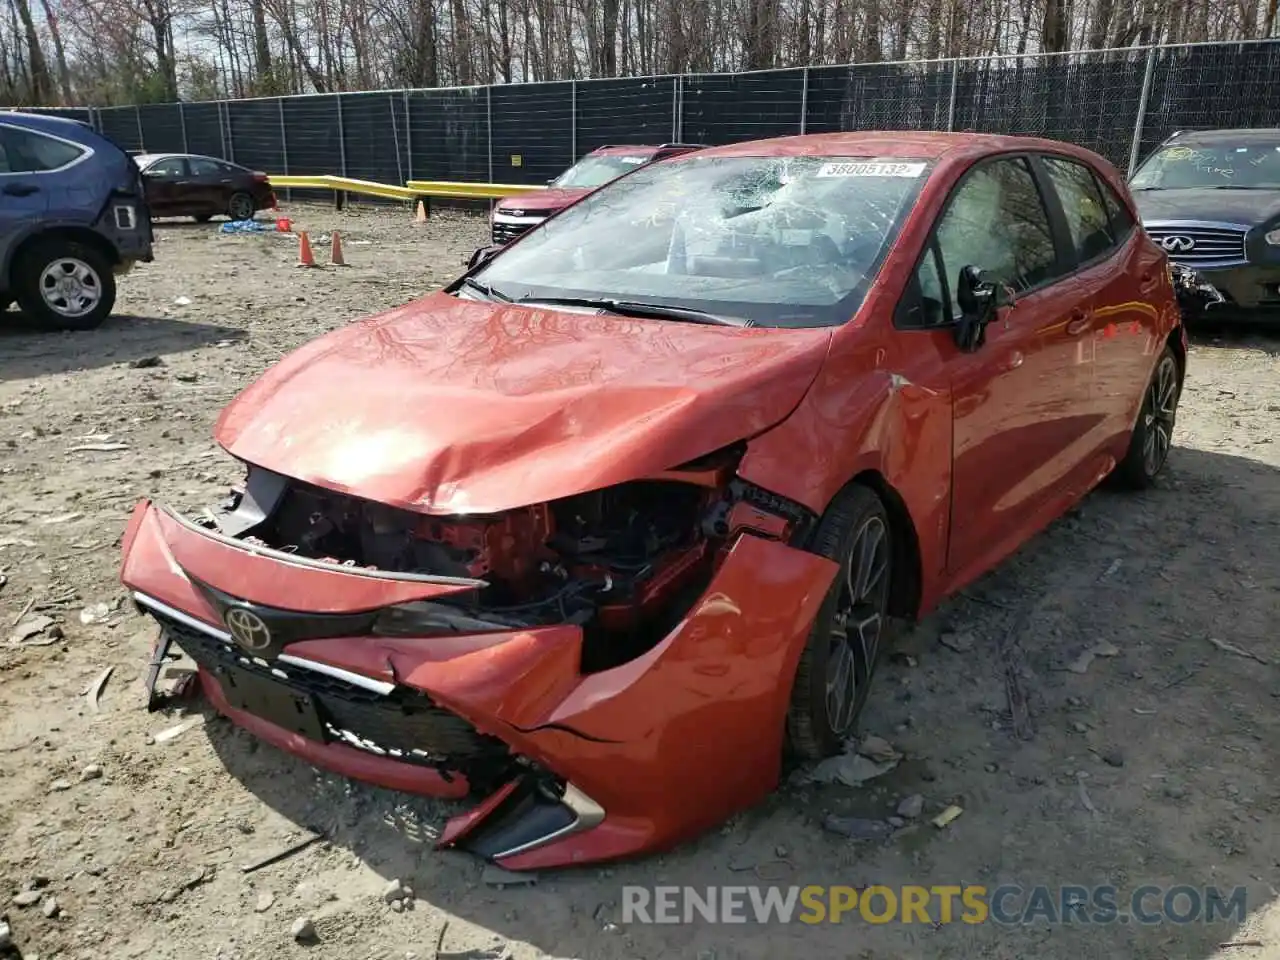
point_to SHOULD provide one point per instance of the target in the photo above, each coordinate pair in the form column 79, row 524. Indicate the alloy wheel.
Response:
column 1158, row 414
column 856, row 628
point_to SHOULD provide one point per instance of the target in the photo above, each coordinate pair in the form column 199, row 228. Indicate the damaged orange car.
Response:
column 601, row 532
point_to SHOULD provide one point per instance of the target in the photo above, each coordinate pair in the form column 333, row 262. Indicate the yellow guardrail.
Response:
column 457, row 190
column 346, row 184
column 444, row 189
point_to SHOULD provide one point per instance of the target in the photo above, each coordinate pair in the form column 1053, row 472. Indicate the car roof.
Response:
column 1234, row 137
column 147, row 158
column 618, row 150
column 44, row 121
column 914, row 144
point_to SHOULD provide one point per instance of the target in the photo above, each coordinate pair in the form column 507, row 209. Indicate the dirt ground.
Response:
column 1156, row 764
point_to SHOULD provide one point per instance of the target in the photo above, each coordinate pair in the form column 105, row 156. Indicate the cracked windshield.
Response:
column 1252, row 167
column 597, row 171
column 774, row 241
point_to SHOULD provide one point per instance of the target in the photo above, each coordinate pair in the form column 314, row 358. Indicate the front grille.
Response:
column 506, row 232
column 404, row 724
column 1216, row 246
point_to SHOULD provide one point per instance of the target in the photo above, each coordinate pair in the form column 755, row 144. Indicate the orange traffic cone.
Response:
column 305, row 258
column 421, row 216
column 335, row 254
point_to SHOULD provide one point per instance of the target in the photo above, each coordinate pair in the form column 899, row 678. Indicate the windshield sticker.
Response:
column 873, row 168
column 632, row 160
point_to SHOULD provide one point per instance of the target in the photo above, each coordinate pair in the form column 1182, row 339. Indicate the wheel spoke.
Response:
column 865, row 566
column 868, row 631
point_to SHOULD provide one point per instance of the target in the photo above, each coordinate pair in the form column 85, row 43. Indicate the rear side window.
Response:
column 1121, row 219
column 1083, row 206
column 200, row 167
column 24, row 151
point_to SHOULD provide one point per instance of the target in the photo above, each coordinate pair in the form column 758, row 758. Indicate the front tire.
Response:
column 65, row 285
column 1152, row 435
column 834, row 675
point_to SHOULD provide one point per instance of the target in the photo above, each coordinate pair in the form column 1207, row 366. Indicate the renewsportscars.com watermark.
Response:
column 934, row 905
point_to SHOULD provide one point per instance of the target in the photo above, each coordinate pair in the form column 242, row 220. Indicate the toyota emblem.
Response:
column 248, row 629
column 1178, row 243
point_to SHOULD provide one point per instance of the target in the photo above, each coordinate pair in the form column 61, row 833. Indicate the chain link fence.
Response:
column 1120, row 103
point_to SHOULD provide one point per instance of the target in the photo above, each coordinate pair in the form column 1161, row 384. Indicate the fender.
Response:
column 893, row 409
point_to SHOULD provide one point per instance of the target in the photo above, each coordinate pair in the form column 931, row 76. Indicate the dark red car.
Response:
column 600, row 531
column 512, row 216
column 185, row 185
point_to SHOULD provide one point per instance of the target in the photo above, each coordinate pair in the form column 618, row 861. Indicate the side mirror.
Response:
column 979, row 299
column 482, row 256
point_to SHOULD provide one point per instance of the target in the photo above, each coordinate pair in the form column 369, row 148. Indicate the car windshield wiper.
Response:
column 486, row 289
column 635, row 308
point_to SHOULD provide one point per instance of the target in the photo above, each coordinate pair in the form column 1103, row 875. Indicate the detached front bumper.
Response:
column 571, row 767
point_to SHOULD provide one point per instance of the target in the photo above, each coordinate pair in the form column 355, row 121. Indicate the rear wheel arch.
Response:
column 81, row 235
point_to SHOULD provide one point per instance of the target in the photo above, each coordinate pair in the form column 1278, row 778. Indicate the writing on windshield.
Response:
column 1254, row 166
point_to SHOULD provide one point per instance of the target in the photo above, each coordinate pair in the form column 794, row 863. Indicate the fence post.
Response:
column 142, row 140
column 573, row 122
column 951, row 104
column 1136, row 147
column 284, row 137
column 675, row 109
column 182, row 122
column 342, row 136
column 395, row 137
column 804, row 102
column 231, row 136
column 222, row 131
column 408, row 134
column 488, row 124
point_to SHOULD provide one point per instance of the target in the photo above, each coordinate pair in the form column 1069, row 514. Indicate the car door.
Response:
column 167, row 182
column 214, row 184
column 1120, row 273
column 23, row 197
column 1017, row 418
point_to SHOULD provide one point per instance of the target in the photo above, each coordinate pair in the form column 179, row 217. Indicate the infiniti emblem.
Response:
column 1178, row 243
column 248, row 629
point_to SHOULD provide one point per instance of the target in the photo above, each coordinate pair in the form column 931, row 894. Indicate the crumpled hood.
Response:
column 1247, row 207
column 453, row 406
column 541, row 201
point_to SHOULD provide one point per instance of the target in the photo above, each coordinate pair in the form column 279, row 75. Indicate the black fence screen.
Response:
column 1121, row 103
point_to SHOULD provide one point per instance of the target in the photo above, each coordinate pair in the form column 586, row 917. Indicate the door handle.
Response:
column 21, row 189
column 1078, row 323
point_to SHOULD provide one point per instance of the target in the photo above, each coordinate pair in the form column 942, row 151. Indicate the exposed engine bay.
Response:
column 624, row 563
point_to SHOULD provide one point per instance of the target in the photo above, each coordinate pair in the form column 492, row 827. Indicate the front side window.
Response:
column 997, row 222
column 1251, row 166
column 25, row 151
column 779, row 241
column 1083, row 207
column 169, row 167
